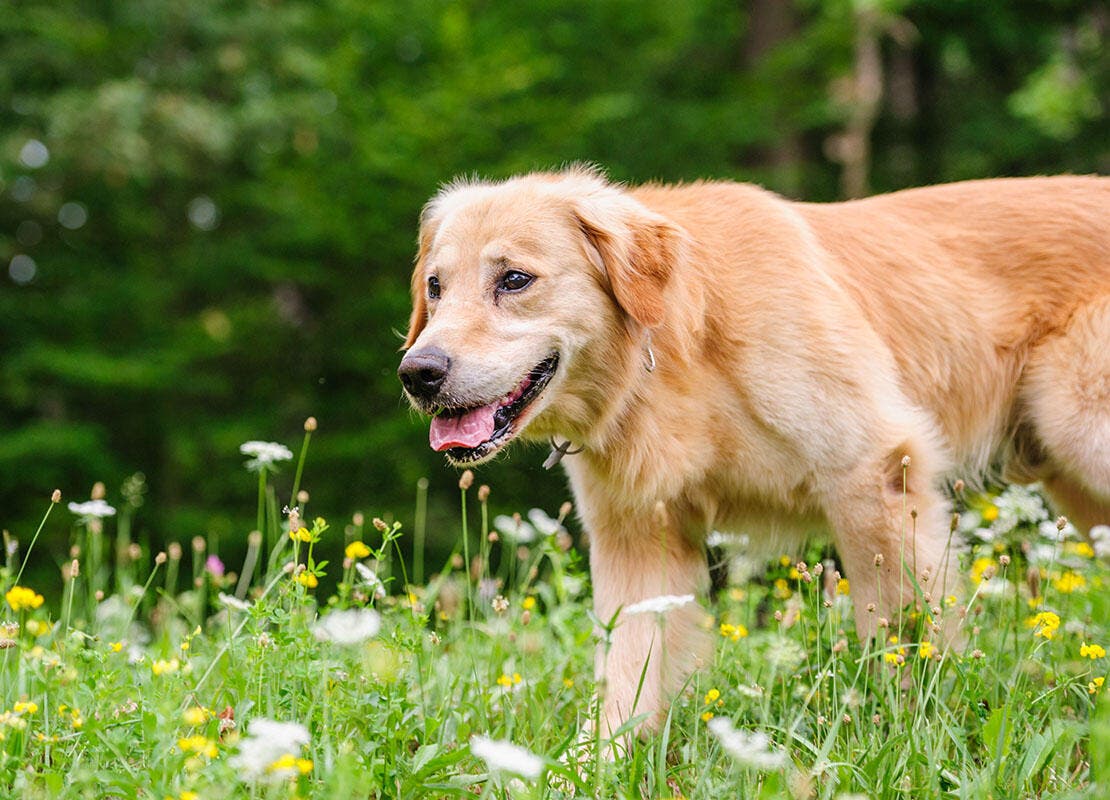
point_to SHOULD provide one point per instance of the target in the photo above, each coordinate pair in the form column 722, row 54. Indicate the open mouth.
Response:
column 471, row 434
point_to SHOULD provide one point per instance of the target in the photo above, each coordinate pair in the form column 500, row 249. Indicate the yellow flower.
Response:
column 1092, row 651
column 1045, row 623
column 198, row 744
column 187, row 795
column 990, row 513
column 784, row 560
column 162, row 667
column 528, row 603
column 505, row 681
column 842, row 586
column 1080, row 549
column 707, row 715
column 115, row 647
column 291, row 764
column 302, row 534
column 712, row 696
column 980, row 566
column 1095, row 685
column 1069, row 582
column 20, row 598
column 950, row 600
column 25, row 707
column 794, row 574
column 734, row 632
column 35, row 627
column 308, row 579
column 925, row 650
column 356, row 550
column 195, row 716
column 782, row 589
column 568, row 682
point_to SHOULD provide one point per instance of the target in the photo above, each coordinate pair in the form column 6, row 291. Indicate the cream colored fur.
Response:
column 802, row 352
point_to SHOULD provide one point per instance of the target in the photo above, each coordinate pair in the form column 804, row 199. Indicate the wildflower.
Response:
column 707, row 715
column 195, row 715
column 1095, row 685
column 504, row 756
column 925, row 650
column 264, row 454
column 751, row 692
column 507, row 682
column 20, row 598
column 733, row 632
column 568, row 683
column 990, row 513
column 349, row 626
column 233, row 602
column 712, row 696
column 163, row 667
column 1069, row 582
column 356, row 550
column 1045, row 624
column 371, row 579
column 982, row 569
column 265, row 743
column 1092, row 651
column 214, row 567
column 528, row 603
column 25, row 707
column 782, row 589
column 308, row 579
column 543, row 523
column 301, row 534
column 500, row 604
column 288, row 766
column 198, row 744
column 92, row 509
column 660, row 604
column 515, row 528
column 842, row 586
column 1081, row 549
column 751, row 750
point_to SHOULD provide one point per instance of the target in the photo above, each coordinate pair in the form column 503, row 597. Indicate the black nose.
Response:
column 422, row 372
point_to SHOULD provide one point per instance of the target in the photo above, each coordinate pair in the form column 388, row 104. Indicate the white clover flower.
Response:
column 504, row 756
column 546, row 525
column 92, row 509
column 1100, row 540
column 267, row 741
column 349, row 626
column 520, row 531
column 370, row 579
column 264, row 454
column 1020, row 504
column 750, row 749
column 660, row 604
column 233, row 602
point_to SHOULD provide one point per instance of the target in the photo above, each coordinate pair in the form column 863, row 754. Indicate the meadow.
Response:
column 327, row 665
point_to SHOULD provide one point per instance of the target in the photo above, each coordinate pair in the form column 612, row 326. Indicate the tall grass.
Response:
column 154, row 677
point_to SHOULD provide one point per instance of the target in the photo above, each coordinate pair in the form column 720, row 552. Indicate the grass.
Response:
column 151, row 679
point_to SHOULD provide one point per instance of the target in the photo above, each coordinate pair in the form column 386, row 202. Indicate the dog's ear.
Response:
column 419, row 317
column 635, row 249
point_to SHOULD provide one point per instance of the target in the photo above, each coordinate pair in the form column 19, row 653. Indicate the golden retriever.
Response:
column 727, row 359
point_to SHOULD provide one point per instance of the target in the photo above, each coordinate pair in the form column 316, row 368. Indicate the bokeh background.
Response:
column 208, row 208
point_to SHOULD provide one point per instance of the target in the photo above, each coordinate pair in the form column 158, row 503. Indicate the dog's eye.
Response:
column 433, row 287
column 513, row 281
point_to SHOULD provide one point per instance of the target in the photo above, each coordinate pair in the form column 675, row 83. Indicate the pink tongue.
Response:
column 469, row 430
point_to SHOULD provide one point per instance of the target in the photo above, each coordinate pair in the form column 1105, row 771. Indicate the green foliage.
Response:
column 219, row 199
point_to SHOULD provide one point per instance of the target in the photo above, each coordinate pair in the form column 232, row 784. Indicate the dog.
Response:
column 727, row 359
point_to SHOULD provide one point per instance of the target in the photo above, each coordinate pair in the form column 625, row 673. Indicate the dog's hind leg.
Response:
column 650, row 652
column 1066, row 394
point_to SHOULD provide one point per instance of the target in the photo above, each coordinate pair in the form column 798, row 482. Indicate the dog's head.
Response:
column 526, row 295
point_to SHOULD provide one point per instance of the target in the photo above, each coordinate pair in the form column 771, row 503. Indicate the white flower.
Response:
column 1100, row 540
column 503, row 756
column 1018, row 504
column 349, row 626
column 752, row 750
column 267, row 741
column 753, row 692
column 371, row 579
column 543, row 523
column 92, row 509
column 264, row 454
column 1049, row 531
column 661, row 604
column 231, row 601
column 518, row 531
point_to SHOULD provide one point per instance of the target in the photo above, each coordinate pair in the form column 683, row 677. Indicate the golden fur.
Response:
column 803, row 351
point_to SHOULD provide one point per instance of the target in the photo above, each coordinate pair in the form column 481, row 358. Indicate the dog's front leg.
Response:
column 650, row 652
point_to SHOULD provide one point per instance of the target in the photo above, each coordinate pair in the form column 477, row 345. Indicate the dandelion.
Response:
column 92, row 509
column 660, row 604
column 264, row 454
column 21, row 598
column 349, row 626
column 1092, row 651
column 1045, row 624
column 751, row 750
column 356, row 550
column 265, row 743
column 504, row 756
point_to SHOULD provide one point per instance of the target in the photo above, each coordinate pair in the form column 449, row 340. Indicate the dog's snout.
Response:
column 422, row 372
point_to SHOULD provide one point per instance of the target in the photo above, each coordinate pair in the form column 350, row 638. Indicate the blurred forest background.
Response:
column 208, row 208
